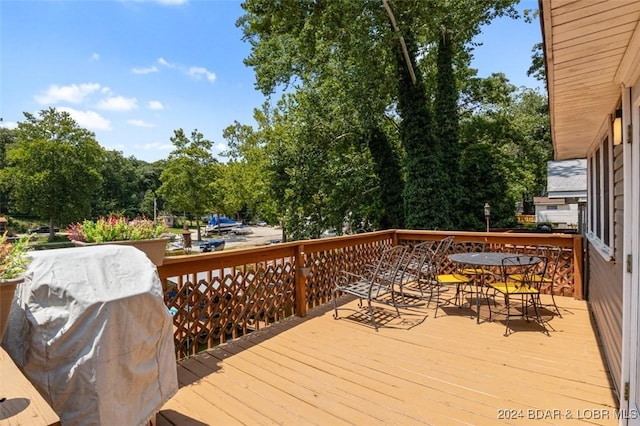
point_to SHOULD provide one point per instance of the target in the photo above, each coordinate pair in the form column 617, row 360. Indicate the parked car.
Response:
column 242, row 230
column 212, row 245
column 43, row 229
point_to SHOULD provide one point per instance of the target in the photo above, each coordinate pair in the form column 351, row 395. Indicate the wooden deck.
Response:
column 416, row 369
column 20, row 402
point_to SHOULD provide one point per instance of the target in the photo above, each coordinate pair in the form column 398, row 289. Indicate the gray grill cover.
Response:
column 90, row 330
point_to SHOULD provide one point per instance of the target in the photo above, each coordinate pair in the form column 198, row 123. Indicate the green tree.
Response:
column 54, row 168
column 7, row 138
column 245, row 175
column 188, row 176
column 325, row 51
column 367, row 51
column 148, row 182
column 425, row 198
column 119, row 187
column 446, row 129
column 515, row 122
column 483, row 167
column 387, row 166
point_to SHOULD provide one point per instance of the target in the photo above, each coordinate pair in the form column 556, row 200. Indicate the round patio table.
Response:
column 485, row 258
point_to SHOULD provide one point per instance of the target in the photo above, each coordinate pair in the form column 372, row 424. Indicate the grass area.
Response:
column 178, row 231
column 20, row 225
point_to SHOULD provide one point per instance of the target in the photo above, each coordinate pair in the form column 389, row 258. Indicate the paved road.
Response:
column 260, row 236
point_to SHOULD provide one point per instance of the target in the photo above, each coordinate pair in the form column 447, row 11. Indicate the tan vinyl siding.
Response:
column 605, row 282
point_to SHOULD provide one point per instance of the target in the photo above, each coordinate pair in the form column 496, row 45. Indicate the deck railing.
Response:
column 223, row 295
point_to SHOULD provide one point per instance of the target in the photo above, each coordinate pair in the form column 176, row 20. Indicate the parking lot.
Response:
column 258, row 236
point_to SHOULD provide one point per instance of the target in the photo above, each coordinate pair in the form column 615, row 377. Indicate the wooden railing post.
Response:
column 301, row 282
column 578, row 263
column 163, row 278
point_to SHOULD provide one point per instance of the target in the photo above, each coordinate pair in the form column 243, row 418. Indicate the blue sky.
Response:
column 133, row 71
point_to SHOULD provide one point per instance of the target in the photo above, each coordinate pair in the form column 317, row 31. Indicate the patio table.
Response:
column 485, row 258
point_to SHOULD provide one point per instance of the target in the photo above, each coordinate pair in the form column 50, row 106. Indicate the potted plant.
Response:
column 141, row 232
column 13, row 263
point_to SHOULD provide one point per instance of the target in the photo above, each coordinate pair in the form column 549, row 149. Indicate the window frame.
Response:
column 601, row 195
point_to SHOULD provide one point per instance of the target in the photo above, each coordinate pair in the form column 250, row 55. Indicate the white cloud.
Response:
column 195, row 72
column 145, row 70
column 200, row 72
column 118, row 103
column 95, row 57
column 162, row 61
column 219, row 147
column 8, row 124
column 140, row 123
column 74, row 93
column 88, row 119
column 155, row 105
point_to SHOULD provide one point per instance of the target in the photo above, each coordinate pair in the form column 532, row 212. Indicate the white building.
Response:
column 566, row 191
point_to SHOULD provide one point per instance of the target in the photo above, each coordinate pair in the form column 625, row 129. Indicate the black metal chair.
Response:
column 378, row 286
column 526, row 288
column 545, row 274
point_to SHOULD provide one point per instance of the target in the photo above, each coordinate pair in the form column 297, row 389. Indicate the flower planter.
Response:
column 7, row 289
column 154, row 249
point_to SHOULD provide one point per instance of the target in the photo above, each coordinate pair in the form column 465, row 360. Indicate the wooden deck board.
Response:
column 20, row 401
column 416, row 369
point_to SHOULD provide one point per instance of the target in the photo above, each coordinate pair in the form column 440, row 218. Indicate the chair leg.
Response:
column 395, row 305
column 373, row 320
column 437, row 290
column 507, row 304
column 538, row 317
column 553, row 300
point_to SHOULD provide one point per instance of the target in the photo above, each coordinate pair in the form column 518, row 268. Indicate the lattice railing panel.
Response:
column 227, row 306
column 327, row 265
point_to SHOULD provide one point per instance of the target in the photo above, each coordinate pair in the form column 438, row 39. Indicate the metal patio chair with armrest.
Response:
column 545, row 274
column 432, row 264
column 454, row 278
column 450, row 278
column 416, row 268
column 526, row 288
column 377, row 286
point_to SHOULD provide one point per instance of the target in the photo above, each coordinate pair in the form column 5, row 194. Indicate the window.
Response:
column 601, row 197
column 552, row 207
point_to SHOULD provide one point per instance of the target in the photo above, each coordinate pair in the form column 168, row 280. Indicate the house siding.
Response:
column 605, row 282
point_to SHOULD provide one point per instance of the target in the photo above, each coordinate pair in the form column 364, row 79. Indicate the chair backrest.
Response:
column 417, row 264
column 553, row 255
column 441, row 250
column 525, row 267
column 389, row 269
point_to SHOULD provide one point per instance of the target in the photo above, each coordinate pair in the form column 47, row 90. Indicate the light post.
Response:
column 487, row 214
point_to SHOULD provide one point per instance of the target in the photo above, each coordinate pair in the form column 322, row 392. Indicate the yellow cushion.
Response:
column 513, row 288
column 534, row 278
column 453, row 279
